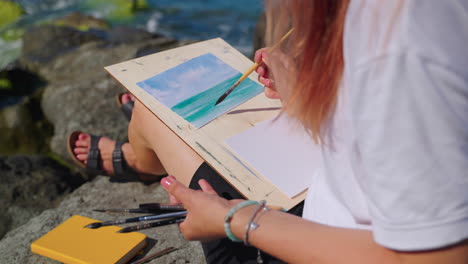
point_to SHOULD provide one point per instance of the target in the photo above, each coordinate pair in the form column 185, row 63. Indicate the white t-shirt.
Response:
column 397, row 155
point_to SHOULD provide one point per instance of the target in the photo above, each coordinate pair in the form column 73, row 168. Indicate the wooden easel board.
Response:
column 208, row 141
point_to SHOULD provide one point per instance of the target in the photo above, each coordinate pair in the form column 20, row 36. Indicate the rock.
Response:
column 23, row 127
column 44, row 43
column 31, row 184
column 82, row 22
column 16, row 81
column 80, row 94
column 119, row 35
column 100, row 193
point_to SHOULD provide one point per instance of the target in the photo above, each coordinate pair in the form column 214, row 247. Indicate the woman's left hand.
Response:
column 206, row 210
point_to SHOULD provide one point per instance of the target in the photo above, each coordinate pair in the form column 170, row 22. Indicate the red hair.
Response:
column 316, row 51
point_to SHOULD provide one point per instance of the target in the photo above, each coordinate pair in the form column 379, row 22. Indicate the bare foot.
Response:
column 106, row 147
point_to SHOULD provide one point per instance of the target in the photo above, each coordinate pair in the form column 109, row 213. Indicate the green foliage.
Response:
column 9, row 12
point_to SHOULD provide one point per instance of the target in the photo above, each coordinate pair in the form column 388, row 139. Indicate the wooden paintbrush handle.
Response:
column 248, row 72
column 256, row 65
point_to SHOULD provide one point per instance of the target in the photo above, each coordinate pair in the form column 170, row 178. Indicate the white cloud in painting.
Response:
column 188, row 79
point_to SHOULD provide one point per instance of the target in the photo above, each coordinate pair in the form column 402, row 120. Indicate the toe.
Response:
column 82, row 157
column 83, row 136
column 80, row 150
column 126, row 98
column 82, row 143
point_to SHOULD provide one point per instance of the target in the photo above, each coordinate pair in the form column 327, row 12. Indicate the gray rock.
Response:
column 80, row 94
column 23, row 129
column 100, row 193
column 43, row 43
column 31, row 184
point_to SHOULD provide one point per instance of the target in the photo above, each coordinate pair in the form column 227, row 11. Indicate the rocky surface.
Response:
column 80, row 94
column 75, row 94
column 100, row 193
column 31, row 184
column 24, row 129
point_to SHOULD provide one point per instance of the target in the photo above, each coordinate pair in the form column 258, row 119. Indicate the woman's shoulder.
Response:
column 433, row 29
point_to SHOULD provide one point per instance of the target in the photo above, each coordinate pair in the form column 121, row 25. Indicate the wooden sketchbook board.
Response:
column 208, row 141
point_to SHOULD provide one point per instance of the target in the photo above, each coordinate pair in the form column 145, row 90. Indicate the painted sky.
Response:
column 187, row 79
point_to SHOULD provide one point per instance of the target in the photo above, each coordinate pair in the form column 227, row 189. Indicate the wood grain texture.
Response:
column 208, row 141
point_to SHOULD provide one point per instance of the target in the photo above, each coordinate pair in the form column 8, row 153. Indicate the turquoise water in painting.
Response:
column 200, row 109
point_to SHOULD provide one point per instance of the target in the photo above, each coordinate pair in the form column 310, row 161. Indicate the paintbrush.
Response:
column 154, row 256
column 252, row 69
column 163, row 206
column 123, row 210
column 136, row 219
column 152, row 224
column 145, row 208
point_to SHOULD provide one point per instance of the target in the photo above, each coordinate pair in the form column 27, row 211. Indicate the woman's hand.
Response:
column 264, row 75
column 277, row 73
column 206, row 210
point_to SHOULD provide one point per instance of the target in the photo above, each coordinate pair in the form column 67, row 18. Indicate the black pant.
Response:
column 224, row 250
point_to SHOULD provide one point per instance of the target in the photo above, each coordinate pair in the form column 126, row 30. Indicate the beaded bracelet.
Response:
column 230, row 214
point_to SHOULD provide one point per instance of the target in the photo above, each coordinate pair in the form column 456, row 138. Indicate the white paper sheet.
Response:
column 281, row 151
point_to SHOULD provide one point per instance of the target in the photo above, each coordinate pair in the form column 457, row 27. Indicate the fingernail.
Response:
column 172, row 177
column 262, row 80
column 166, row 182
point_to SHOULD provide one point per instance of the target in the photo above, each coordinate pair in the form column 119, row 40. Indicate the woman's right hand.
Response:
column 265, row 76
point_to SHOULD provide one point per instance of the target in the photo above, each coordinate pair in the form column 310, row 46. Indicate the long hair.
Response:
column 315, row 50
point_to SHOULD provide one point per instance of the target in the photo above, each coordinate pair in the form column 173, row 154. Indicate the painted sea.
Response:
column 200, row 109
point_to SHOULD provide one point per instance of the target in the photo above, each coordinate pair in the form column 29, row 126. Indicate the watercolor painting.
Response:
column 192, row 88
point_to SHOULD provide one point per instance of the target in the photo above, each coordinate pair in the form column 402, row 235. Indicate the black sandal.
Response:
column 126, row 108
column 122, row 172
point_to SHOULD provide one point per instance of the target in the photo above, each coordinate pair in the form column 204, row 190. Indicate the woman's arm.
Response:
column 292, row 238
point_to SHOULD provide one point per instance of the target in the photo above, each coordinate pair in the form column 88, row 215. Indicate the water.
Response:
column 233, row 21
column 200, row 109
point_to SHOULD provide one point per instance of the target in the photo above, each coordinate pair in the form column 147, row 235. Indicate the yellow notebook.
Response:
column 71, row 242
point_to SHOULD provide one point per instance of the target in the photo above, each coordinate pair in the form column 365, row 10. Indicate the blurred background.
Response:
column 52, row 81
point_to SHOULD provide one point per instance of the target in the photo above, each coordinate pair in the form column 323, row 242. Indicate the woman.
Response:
column 383, row 87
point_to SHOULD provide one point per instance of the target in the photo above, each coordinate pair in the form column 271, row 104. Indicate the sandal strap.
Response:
column 127, row 109
column 93, row 163
column 121, row 170
column 118, row 160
